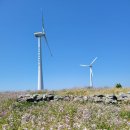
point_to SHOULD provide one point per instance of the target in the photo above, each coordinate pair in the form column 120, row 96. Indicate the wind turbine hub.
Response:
column 39, row 34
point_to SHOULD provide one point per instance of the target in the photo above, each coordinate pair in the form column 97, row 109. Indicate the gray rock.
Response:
column 66, row 98
column 99, row 98
column 30, row 100
column 39, row 97
column 113, row 97
column 50, row 97
column 71, row 97
column 28, row 95
column 58, row 98
column 90, row 98
column 44, row 97
column 110, row 101
column 85, row 98
column 35, row 95
column 128, row 92
column 78, row 99
column 122, row 97
column 24, row 98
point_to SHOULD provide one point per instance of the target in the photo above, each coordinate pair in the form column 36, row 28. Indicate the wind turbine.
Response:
column 39, row 35
column 91, row 72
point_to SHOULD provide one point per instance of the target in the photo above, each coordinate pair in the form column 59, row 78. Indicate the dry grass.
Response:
column 86, row 91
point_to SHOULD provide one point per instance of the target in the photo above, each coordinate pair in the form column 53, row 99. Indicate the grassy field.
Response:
column 63, row 115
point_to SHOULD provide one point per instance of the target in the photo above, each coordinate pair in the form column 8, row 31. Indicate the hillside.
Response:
column 65, row 114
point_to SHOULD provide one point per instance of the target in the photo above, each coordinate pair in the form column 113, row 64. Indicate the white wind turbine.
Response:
column 39, row 35
column 91, row 72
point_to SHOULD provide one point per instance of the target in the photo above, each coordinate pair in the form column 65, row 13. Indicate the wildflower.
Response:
column 25, row 118
column 5, row 127
column 25, row 128
column 86, row 114
column 76, row 125
column 43, row 128
column 60, row 127
column 94, row 126
column 85, row 128
column 128, row 123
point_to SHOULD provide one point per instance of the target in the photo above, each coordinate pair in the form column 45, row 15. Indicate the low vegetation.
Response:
column 64, row 115
column 118, row 85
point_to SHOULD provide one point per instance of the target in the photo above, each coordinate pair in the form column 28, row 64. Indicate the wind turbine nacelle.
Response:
column 39, row 34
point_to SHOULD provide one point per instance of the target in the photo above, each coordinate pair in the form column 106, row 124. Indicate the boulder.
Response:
column 78, row 99
column 122, row 97
column 66, row 98
column 99, row 98
column 58, row 98
column 27, row 97
column 128, row 92
column 111, row 99
column 111, row 96
column 44, row 97
column 39, row 97
column 90, row 98
column 48, row 97
column 85, row 98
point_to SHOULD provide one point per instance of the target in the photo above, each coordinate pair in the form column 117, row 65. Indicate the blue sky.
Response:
column 77, row 31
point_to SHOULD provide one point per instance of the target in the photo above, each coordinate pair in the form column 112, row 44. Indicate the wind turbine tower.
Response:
column 91, row 72
column 39, row 35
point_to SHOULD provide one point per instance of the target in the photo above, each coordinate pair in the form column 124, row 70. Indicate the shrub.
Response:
column 118, row 85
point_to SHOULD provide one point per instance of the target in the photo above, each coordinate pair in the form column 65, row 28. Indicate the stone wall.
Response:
column 102, row 98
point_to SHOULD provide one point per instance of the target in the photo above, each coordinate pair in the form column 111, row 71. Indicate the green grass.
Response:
column 125, row 114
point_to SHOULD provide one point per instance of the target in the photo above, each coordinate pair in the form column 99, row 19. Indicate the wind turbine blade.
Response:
column 43, row 29
column 48, row 45
column 84, row 65
column 93, row 61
